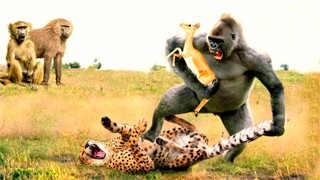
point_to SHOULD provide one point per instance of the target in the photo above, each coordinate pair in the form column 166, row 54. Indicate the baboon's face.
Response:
column 21, row 33
column 65, row 31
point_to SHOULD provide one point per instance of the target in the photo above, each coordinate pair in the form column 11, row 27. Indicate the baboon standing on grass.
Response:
column 50, row 42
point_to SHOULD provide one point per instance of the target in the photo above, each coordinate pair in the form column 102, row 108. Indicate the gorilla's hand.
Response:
column 277, row 130
column 212, row 89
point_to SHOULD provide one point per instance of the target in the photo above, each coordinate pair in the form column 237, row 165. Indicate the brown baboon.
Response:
column 50, row 42
column 21, row 56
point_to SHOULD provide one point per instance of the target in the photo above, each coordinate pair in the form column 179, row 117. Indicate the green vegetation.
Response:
column 157, row 67
column 97, row 64
column 41, row 131
column 73, row 65
column 284, row 67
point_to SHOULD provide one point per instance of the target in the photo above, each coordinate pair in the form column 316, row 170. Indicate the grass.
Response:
column 41, row 132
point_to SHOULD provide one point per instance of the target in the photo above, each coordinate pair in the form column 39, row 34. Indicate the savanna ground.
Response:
column 41, row 132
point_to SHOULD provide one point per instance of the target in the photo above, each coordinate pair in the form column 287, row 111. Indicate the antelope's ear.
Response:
column 198, row 25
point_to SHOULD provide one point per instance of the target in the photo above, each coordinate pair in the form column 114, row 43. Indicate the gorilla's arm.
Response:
column 261, row 65
column 182, row 70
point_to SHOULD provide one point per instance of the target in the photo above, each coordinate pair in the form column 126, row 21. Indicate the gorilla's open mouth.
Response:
column 96, row 152
column 218, row 55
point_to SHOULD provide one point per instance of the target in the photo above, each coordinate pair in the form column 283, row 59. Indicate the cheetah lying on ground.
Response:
column 177, row 149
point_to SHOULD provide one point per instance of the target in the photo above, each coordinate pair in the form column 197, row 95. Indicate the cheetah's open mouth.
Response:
column 96, row 152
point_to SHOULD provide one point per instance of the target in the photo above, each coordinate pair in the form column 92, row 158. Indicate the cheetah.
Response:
column 177, row 148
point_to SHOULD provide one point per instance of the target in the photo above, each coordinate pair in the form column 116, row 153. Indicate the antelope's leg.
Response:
column 200, row 106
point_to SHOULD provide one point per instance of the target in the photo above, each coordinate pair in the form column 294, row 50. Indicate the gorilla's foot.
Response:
column 149, row 135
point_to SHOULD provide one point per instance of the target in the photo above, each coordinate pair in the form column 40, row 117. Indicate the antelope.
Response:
column 194, row 60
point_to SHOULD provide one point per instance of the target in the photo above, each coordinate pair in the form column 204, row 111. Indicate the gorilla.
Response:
column 236, row 65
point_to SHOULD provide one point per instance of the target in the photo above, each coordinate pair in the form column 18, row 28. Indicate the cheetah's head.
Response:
column 94, row 153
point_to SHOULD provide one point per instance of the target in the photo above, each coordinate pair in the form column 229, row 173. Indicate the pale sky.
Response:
column 130, row 34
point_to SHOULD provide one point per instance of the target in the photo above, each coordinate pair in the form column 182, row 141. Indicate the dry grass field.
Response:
column 41, row 131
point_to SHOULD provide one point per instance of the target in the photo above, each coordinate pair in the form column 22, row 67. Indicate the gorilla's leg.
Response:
column 234, row 121
column 177, row 100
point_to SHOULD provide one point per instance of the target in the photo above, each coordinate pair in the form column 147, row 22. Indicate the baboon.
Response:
column 22, row 65
column 236, row 65
column 50, row 42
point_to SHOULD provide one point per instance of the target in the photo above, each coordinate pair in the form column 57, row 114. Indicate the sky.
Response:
column 130, row 35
